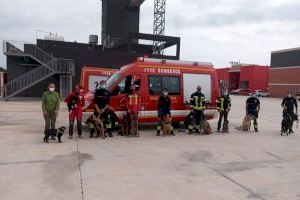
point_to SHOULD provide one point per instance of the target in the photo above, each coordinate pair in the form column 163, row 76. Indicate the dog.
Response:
column 53, row 133
column 246, row 124
column 99, row 127
column 90, row 122
column 126, row 125
column 96, row 125
column 287, row 123
column 225, row 127
column 167, row 126
column 73, row 103
column 206, row 128
column 134, row 127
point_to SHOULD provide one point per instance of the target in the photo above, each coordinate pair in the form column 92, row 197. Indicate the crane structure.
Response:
column 159, row 25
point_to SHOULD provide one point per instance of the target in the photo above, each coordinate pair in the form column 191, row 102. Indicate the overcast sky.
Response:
column 217, row 31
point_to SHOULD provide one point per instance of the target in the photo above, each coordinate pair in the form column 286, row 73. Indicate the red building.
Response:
column 242, row 76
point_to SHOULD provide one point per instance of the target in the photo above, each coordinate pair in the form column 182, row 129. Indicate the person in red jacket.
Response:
column 75, row 101
column 133, row 104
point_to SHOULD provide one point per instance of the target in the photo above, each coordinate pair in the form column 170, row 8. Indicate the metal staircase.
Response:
column 48, row 67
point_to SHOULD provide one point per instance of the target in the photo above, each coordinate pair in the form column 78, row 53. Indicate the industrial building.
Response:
column 284, row 72
column 31, row 67
column 243, row 76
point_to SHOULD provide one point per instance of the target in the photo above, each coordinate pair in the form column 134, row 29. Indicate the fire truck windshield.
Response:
column 112, row 80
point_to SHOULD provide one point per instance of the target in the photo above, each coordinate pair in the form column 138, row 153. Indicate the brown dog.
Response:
column 246, row 124
column 167, row 125
column 206, row 127
column 99, row 126
column 225, row 127
column 126, row 125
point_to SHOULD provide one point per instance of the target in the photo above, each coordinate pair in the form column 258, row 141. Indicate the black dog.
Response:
column 287, row 122
column 73, row 102
column 53, row 133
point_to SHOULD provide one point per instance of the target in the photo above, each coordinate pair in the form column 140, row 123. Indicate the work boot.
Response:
column 70, row 137
column 158, row 133
column 218, row 131
column 256, row 130
column 291, row 131
column 190, row 131
column 79, row 136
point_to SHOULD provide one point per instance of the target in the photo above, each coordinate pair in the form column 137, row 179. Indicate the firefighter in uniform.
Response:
column 224, row 106
column 253, row 108
column 75, row 101
column 163, row 108
column 101, row 100
column 197, row 101
column 133, row 107
column 289, row 104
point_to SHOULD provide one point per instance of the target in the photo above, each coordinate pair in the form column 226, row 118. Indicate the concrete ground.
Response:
column 231, row 166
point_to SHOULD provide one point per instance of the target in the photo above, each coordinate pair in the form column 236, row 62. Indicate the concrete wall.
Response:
column 285, row 58
column 118, row 19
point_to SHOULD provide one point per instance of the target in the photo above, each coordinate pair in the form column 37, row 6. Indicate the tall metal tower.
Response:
column 159, row 25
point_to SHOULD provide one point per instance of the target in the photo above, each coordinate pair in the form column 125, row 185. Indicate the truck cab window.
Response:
column 123, row 87
column 119, row 89
column 136, row 80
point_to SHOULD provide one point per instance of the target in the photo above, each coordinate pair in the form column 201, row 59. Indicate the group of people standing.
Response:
column 75, row 102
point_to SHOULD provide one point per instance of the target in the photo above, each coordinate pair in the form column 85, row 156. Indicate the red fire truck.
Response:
column 152, row 76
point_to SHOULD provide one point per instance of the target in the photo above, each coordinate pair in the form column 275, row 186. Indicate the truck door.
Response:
column 121, row 91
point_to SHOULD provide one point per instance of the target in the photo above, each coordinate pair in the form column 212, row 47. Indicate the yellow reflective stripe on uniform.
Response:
column 198, row 102
column 133, row 99
column 222, row 103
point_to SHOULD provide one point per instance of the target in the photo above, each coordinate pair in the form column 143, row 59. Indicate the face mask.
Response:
column 289, row 96
column 51, row 89
column 225, row 94
column 103, row 86
column 165, row 94
column 253, row 95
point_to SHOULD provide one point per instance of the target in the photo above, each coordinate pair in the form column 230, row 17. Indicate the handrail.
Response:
column 49, row 65
column 23, row 75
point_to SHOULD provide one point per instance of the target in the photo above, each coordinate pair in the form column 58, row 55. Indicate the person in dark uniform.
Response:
column 101, row 100
column 224, row 106
column 253, row 108
column 163, row 109
column 289, row 104
column 197, row 101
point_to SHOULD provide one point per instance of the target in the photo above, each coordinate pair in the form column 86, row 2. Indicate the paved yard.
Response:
column 231, row 166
